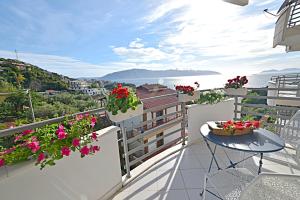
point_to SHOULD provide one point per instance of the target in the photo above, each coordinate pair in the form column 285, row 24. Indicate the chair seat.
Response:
column 230, row 182
column 273, row 187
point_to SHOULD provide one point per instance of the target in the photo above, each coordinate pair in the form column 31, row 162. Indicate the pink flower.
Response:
column 2, row 162
column 79, row 117
column 61, row 128
column 65, row 151
column 76, row 142
column 17, row 138
column 61, row 135
column 94, row 149
column 41, row 157
column 7, row 151
column 94, row 136
column 93, row 121
column 84, row 150
column 86, row 114
column 26, row 132
column 34, row 146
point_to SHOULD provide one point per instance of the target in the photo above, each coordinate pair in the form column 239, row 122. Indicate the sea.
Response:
column 205, row 81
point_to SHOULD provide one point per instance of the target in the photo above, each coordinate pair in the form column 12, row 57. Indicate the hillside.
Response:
column 24, row 75
column 143, row 73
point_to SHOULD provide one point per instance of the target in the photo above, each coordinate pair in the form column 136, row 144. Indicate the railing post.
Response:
column 125, row 145
column 235, row 107
column 183, row 111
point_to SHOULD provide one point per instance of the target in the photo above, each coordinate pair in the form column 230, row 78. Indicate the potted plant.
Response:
column 235, row 87
column 187, row 93
column 53, row 142
column 123, row 104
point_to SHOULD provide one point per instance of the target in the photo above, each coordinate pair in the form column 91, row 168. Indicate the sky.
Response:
column 80, row 38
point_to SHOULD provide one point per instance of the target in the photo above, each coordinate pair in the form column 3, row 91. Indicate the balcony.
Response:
column 124, row 170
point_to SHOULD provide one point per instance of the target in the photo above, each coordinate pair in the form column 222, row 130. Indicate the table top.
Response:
column 260, row 141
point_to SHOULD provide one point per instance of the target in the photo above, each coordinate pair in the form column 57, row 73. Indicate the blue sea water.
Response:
column 206, row 81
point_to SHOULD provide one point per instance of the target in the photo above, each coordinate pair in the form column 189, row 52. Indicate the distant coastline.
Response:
column 282, row 71
column 143, row 73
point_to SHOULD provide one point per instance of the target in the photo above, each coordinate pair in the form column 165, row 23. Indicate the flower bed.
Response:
column 53, row 142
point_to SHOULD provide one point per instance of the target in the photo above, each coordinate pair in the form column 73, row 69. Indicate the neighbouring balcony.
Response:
column 167, row 170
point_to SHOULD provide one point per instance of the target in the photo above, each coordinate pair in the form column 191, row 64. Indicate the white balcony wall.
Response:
column 90, row 178
column 199, row 114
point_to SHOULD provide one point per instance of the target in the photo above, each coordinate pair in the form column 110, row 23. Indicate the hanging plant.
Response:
column 53, row 142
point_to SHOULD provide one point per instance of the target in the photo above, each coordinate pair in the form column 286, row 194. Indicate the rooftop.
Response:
column 147, row 91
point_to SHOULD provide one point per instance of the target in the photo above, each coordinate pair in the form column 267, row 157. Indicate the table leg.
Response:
column 213, row 152
column 260, row 163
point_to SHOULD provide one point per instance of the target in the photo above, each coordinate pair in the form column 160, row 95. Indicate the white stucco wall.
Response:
column 199, row 114
column 73, row 178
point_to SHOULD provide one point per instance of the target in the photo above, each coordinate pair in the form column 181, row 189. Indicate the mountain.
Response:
column 144, row 73
column 275, row 71
column 25, row 75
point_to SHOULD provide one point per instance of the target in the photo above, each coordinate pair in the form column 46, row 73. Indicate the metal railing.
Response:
column 136, row 149
column 255, row 104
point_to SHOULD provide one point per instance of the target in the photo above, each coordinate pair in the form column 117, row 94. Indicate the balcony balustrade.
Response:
column 152, row 174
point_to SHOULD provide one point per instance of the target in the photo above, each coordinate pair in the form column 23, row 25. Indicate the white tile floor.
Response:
column 181, row 176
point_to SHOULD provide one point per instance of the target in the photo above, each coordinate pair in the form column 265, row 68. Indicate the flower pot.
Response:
column 236, row 91
column 124, row 116
column 187, row 98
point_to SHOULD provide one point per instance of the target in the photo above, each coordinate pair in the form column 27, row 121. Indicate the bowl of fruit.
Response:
column 231, row 127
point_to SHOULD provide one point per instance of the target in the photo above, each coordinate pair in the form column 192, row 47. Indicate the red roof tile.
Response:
column 143, row 92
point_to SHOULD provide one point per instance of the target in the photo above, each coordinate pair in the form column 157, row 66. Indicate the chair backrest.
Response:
column 291, row 131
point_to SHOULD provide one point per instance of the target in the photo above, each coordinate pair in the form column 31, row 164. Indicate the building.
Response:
column 78, row 85
column 154, row 98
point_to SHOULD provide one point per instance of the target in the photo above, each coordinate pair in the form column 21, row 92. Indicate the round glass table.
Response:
column 260, row 141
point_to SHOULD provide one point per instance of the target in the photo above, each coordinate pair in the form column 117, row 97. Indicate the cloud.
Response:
column 136, row 52
column 208, row 34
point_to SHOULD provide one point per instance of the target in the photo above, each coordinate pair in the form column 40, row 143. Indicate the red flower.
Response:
column 41, row 157
column 34, row 146
column 76, row 142
column 93, row 121
column 94, row 149
column 84, row 150
column 2, row 162
column 239, row 127
column 256, row 124
column 94, row 136
column 65, row 151
column 248, row 124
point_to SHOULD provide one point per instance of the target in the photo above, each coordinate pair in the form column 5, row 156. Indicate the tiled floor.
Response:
column 181, row 176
